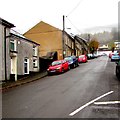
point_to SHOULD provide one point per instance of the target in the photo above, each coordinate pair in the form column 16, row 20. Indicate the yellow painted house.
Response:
column 50, row 40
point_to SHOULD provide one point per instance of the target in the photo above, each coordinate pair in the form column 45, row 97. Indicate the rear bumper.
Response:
column 114, row 60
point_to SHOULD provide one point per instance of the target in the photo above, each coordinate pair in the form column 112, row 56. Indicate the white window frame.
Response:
column 27, row 62
column 35, row 63
column 34, row 50
column 14, row 42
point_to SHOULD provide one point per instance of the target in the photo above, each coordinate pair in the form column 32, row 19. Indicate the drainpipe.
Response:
column 74, row 48
column 5, row 53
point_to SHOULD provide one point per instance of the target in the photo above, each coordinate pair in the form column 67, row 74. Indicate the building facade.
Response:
column 82, row 47
column 5, row 27
column 24, row 56
column 18, row 56
column 51, row 39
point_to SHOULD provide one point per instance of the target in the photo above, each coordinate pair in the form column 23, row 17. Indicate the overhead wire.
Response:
column 74, row 8
column 72, row 12
column 73, row 25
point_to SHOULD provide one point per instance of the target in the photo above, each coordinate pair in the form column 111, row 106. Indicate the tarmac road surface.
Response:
column 88, row 91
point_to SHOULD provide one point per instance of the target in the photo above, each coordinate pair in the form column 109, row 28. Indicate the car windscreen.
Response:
column 69, row 59
column 82, row 56
column 56, row 63
column 115, row 54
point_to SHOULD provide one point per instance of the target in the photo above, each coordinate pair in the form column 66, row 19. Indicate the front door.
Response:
column 26, row 66
column 14, row 67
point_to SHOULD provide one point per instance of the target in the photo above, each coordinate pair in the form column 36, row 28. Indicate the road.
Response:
column 73, row 94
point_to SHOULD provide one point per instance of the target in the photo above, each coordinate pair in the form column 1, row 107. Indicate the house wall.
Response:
column 78, row 48
column 49, row 42
column 25, row 50
column 51, row 39
column 8, row 58
column 69, row 46
column 1, row 53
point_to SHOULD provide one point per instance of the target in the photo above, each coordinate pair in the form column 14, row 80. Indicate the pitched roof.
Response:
column 80, row 39
column 6, row 23
column 23, row 38
column 42, row 27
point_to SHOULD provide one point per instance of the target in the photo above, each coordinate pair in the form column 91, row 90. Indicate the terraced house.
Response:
column 19, row 55
column 5, row 27
column 51, row 40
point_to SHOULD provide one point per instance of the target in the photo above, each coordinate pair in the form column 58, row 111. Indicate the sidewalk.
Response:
column 22, row 81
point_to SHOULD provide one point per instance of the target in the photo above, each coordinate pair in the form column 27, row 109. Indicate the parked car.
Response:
column 72, row 61
column 115, row 57
column 95, row 55
column 118, row 51
column 104, row 54
column 82, row 59
column 118, row 69
column 110, row 54
column 58, row 66
column 89, row 56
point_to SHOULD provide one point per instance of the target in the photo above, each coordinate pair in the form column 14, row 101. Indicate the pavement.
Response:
column 28, row 79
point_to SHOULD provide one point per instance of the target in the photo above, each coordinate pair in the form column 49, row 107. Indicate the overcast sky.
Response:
column 81, row 14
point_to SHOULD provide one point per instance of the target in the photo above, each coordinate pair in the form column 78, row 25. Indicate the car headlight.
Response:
column 58, row 68
column 71, row 62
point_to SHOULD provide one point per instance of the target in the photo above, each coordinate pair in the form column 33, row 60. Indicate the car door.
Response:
column 65, row 65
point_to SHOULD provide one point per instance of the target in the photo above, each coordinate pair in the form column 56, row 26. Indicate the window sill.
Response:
column 35, row 67
column 12, row 51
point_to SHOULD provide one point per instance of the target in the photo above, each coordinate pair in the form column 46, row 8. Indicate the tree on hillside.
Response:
column 111, row 46
column 93, row 45
column 114, row 32
column 102, row 37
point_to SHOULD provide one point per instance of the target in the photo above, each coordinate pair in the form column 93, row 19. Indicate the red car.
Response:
column 110, row 54
column 58, row 66
column 82, row 59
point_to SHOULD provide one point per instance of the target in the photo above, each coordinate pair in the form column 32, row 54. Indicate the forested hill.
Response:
column 104, row 36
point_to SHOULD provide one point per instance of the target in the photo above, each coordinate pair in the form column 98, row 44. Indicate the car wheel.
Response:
column 62, row 70
column 68, row 67
column 74, row 65
column 48, row 74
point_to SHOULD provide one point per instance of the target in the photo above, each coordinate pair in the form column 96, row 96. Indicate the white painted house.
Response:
column 5, row 27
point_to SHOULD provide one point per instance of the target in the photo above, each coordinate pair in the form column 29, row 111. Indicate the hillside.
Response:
column 104, row 34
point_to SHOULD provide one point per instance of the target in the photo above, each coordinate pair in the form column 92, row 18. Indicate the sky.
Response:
column 80, row 15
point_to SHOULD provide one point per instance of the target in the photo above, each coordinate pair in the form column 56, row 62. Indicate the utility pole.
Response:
column 63, row 33
column 88, row 37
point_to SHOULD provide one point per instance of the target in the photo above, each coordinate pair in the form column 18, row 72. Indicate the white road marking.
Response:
column 107, row 102
column 106, row 63
column 87, row 104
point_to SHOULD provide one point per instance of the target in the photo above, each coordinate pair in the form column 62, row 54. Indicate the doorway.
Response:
column 26, row 66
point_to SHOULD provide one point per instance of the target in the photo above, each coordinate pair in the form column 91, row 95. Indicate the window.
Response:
column 12, row 45
column 66, row 41
column 72, row 45
column 35, row 63
column 34, row 51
